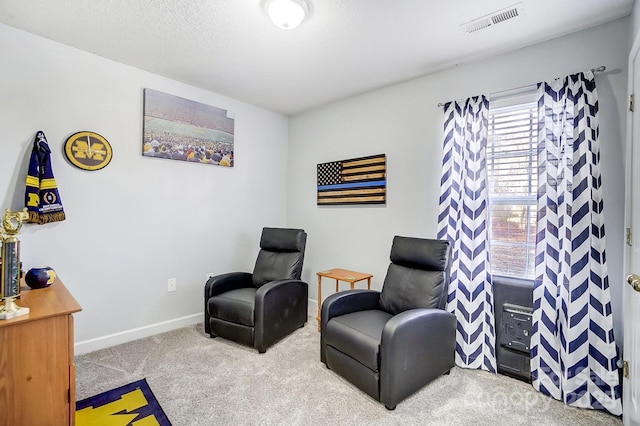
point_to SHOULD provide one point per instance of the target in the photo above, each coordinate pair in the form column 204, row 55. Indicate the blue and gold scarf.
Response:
column 41, row 197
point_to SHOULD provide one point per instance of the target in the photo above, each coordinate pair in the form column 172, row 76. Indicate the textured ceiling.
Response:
column 346, row 47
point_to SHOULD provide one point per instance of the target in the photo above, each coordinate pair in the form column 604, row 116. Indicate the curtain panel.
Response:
column 463, row 220
column 573, row 351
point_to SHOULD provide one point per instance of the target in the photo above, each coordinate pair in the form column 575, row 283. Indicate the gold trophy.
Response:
column 10, row 266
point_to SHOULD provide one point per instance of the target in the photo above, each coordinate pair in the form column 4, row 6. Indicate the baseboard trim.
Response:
column 103, row 342
column 109, row 340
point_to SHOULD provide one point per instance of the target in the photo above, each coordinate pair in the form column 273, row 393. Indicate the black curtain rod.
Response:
column 601, row 68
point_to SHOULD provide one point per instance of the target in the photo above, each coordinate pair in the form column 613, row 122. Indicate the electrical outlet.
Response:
column 209, row 275
column 171, row 284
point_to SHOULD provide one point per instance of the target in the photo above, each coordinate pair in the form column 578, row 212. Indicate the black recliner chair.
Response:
column 258, row 309
column 392, row 343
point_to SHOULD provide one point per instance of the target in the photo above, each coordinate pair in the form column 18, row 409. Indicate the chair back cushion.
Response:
column 418, row 276
column 281, row 255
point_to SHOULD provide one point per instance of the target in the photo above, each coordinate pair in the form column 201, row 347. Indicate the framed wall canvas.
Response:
column 356, row 181
column 179, row 129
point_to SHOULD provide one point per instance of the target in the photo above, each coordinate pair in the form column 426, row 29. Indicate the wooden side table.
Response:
column 338, row 274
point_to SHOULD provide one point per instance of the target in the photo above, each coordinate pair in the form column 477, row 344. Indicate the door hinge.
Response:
column 631, row 102
column 629, row 242
column 625, row 369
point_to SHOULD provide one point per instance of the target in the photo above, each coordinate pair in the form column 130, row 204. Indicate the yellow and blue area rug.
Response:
column 133, row 404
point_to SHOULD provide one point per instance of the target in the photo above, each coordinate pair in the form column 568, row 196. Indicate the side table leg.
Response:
column 319, row 299
column 369, row 283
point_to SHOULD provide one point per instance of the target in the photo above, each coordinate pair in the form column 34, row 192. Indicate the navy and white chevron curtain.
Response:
column 463, row 220
column 573, row 352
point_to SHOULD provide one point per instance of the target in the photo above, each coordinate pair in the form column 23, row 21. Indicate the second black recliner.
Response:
column 392, row 343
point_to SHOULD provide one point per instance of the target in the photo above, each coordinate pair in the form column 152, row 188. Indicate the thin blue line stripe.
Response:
column 373, row 183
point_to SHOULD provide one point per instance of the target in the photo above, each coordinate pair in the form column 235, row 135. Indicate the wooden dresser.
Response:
column 37, row 372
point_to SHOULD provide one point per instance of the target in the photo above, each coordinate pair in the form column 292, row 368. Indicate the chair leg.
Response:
column 390, row 408
column 261, row 351
column 447, row 372
column 213, row 336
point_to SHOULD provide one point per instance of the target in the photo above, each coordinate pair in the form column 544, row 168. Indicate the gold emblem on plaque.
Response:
column 88, row 150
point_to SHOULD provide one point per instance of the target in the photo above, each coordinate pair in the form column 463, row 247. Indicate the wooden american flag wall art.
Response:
column 356, row 181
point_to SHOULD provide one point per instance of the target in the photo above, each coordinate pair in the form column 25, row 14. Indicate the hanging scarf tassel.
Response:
column 47, row 218
column 41, row 195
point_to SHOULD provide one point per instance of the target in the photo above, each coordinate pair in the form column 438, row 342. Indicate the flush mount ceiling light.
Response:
column 287, row 14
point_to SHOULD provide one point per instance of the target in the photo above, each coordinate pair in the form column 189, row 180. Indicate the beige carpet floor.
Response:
column 203, row 381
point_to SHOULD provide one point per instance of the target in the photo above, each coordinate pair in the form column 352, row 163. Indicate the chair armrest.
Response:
column 277, row 295
column 220, row 284
column 419, row 324
column 345, row 302
column 348, row 301
column 281, row 306
column 226, row 282
column 417, row 346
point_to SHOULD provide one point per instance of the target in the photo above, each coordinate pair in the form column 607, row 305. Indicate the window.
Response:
column 513, row 182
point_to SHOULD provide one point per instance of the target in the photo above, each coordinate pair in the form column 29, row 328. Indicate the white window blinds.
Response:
column 512, row 172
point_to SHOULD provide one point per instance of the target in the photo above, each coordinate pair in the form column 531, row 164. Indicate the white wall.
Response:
column 139, row 221
column 405, row 122
column 635, row 22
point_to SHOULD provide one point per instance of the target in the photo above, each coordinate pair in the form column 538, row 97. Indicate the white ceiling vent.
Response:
column 493, row 18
